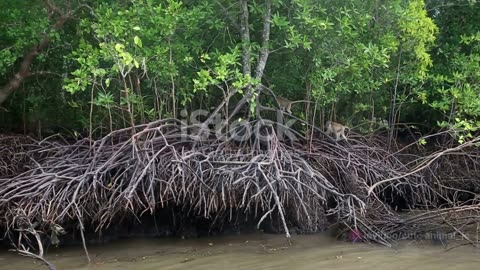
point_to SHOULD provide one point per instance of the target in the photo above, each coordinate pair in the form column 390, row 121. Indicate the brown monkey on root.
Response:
column 337, row 129
column 286, row 105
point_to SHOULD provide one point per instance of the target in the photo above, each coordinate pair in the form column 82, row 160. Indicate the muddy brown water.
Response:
column 255, row 251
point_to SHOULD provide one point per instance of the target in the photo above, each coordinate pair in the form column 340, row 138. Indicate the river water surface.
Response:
column 256, row 251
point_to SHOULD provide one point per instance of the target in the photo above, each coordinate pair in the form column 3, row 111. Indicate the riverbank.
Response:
column 252, row 251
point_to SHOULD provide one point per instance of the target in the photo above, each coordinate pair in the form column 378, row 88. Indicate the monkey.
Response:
column 286, row 105
column 337, row 129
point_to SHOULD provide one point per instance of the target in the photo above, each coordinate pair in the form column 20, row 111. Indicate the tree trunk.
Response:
column 245, row 34
column 262, row 60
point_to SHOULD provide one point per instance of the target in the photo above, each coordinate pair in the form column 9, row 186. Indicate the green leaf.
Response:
column 119, row 47
column 137, row 41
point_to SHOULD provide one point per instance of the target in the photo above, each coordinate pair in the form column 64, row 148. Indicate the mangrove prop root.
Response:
column 166, row 163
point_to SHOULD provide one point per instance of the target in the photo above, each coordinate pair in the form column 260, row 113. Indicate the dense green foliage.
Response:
column 117, row 63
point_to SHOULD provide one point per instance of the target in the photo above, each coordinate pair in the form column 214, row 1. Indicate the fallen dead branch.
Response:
column 25, row 228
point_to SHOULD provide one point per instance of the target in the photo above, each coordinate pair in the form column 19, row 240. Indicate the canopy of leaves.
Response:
column 122, row 62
